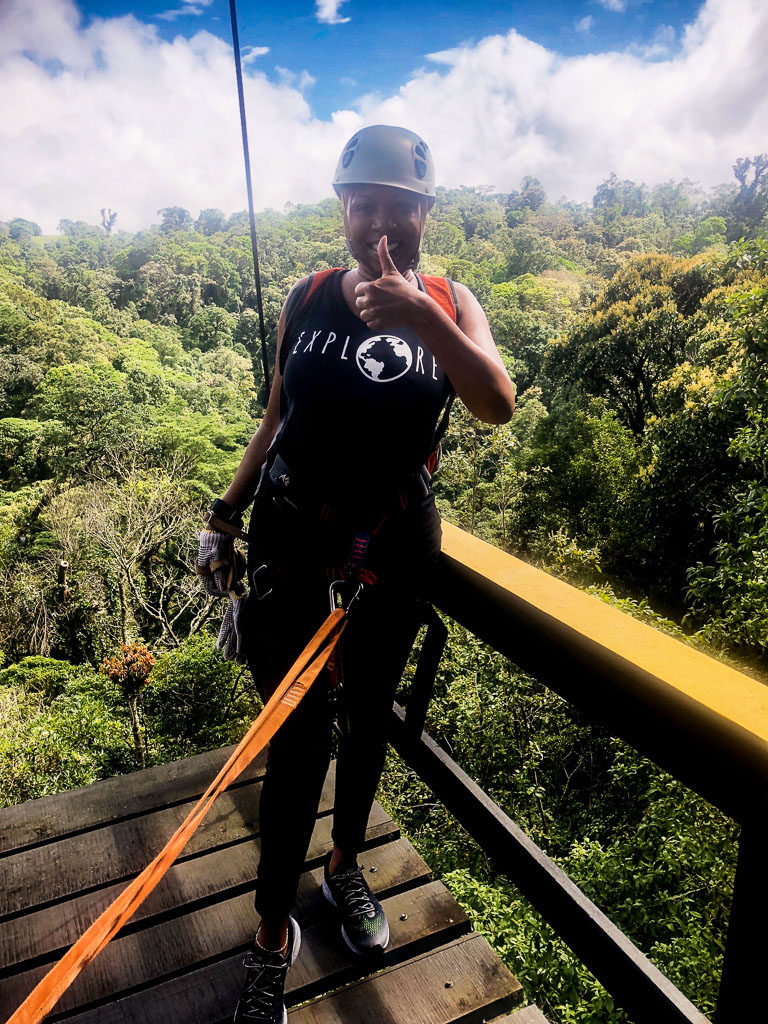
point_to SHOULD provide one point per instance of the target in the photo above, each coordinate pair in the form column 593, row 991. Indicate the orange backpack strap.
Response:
column 316, row 281
column 442, row 291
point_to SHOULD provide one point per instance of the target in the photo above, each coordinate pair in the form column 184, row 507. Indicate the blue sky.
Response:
column 381, row 45
column 132, row 106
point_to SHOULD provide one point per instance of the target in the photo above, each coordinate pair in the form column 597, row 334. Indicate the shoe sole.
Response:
column 349, row 944
column 294, row 951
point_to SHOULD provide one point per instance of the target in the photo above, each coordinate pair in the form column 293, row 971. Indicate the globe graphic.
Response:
column 384, row 358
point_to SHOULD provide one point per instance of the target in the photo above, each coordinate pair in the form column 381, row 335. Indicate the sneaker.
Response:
column 261, row 1001
column 364, row 925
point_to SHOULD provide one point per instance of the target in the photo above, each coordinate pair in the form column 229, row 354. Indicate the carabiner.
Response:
column 336, row 597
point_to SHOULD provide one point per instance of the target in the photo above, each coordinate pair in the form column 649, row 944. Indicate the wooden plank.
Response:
column 210, row 993
column 462, row 981
column 173, row 947
column 107, row 855
column 205, row 933
column 527, row 1015
column 52, row 817
column 42, row 936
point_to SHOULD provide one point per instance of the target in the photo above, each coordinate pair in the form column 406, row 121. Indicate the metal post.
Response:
column 742, row 986
column 426, row 670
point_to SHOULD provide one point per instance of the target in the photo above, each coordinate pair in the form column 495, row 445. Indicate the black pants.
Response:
column 373, row 651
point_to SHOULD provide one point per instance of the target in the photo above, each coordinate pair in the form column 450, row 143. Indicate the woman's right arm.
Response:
column 242, row 489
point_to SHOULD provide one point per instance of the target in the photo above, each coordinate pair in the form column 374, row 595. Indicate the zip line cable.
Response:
column 249, row 187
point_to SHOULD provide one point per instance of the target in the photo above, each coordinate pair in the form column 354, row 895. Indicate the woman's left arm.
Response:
column 465, row 350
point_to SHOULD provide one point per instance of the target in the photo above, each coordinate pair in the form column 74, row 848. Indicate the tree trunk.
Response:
column 123, row 612
column 133, row 704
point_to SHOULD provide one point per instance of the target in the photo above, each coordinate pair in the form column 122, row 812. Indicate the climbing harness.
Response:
column 281, row 704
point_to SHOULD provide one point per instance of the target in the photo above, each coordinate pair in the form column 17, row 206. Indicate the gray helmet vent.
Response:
column 349, row 151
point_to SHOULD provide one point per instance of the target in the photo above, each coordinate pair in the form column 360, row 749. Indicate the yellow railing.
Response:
column 704, row 720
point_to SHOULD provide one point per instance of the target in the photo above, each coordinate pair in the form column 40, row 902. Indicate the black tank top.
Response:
column 358, row 408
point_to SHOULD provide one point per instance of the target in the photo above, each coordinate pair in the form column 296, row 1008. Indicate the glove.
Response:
column 219, row 563
column 230, row 639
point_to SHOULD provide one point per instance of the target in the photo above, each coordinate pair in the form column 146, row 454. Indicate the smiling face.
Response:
column 371, row 211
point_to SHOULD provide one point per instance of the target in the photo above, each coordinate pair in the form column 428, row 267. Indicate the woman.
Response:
column 368, row 361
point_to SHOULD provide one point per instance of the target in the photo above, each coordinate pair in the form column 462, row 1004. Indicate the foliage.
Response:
column 20, row 228
column 751, row 204
column 196, row 701
column 634, row 466
column 56, row 731
column 731, row 595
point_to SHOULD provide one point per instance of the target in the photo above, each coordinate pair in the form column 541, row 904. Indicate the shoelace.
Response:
column 263, row 989
column 353, row 891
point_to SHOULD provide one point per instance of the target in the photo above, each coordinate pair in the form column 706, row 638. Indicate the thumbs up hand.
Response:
column 388, row 268
column 389, row 301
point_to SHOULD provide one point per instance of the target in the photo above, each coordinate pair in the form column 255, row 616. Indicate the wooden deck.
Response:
column 64, row 858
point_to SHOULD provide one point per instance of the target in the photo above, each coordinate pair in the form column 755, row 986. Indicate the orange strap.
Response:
column 440, row 290
column 289, row 692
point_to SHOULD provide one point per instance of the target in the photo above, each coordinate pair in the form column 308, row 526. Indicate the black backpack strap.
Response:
column 442, row 426
column 455, row 298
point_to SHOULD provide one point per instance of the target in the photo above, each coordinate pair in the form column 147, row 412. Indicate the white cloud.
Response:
column 189, row 8
column 135, row 122
column 617, row 6
column 301, row 80
column 249, row 53
column 328, row 11
column 662, row 46
column 585, row 24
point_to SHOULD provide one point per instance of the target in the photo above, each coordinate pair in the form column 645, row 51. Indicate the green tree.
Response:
column 197, row 701
column 710, row 233
column 530, row 197
column 20, row 228
column 750, row 206
column 730, row 595
column 175, row 218
column 210, row 221
column 211, row 327
column 129, row 671
column 615, row 197
column 632, row 337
